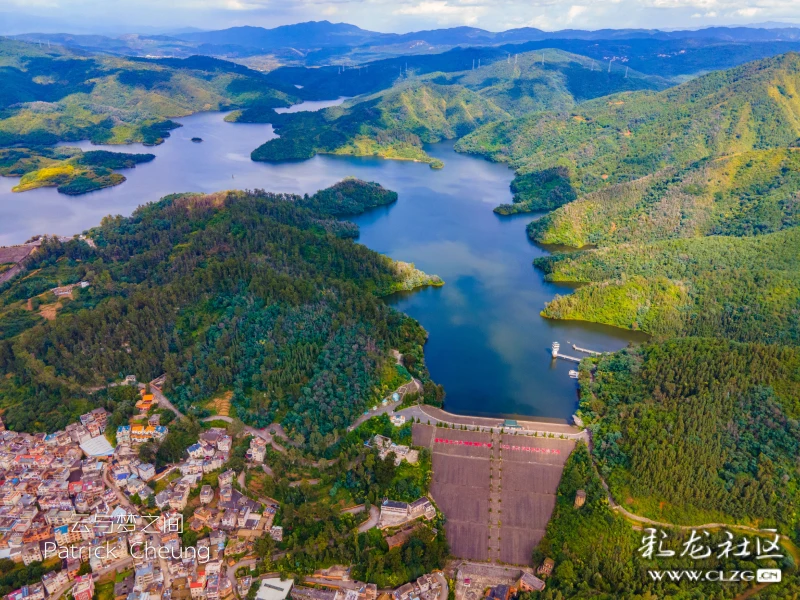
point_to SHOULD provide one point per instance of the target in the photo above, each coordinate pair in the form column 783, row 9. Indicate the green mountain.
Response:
column 632, row 135
column 396, row 122
column 696, row 431
column 252, row 293
column 748, row 193
column 52, row 95
column 707, row 243
column 394, row 125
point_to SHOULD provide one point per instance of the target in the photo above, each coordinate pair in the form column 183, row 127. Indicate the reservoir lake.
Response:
column 487, row 343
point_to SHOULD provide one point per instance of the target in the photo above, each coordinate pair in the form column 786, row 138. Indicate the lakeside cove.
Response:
column 487, row 343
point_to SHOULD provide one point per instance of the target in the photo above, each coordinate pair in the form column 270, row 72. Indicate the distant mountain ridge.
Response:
column 325, row 33
column 322, row 43
column 304, row 35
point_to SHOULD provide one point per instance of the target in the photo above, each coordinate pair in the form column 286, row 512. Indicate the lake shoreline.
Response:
column 487, row 343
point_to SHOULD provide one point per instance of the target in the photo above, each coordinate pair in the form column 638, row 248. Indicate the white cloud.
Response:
column 574, row 11
column 443, row 11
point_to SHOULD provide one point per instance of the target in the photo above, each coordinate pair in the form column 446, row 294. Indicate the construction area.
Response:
column 497, row 490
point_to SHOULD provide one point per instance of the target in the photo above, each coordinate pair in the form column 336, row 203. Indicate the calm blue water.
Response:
column 488, row 345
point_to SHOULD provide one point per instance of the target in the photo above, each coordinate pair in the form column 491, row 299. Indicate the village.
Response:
column 105, row 524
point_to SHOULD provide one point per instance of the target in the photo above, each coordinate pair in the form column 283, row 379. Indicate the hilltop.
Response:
column 273, row 301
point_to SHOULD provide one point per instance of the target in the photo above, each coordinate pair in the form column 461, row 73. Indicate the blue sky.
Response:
column 388, row 15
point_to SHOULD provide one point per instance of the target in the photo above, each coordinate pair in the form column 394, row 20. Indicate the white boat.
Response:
column 573, row 374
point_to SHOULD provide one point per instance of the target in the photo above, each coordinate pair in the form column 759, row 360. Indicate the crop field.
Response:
column 494, row 484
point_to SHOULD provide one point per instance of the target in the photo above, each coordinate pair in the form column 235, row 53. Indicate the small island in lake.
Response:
column 70, row 170
column 197, row 140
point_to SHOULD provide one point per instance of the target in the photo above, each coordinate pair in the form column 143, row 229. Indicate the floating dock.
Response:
column 586, row 351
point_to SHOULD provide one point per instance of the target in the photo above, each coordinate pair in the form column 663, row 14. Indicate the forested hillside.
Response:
column 745, row 289
column 393, row 125
column 396, row 122
column 598, row 554
column 685, row 205
column 698, row 430
column 750, row 193
column 52, row 95
column 632, row 135
column 247, row 292
column 69, row 170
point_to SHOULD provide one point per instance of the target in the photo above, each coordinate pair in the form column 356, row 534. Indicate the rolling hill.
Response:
column 748, row 193
column 740, row 288
column 60, row 95
column 422, row 109
column 52, row 95
column 632, row 135
column 263, row 294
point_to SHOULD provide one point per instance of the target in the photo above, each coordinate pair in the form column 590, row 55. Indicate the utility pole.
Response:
column 609, row 65
column 626, row 72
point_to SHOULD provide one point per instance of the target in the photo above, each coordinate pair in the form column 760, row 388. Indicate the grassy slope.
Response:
column 396, row 122
column 631, row 135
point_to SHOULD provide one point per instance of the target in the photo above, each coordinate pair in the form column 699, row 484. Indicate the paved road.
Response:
column 294, row 484
column 262, row 433
column 164, row 473
column 415, row 385
column 249, row 562
column 374, row 516
column 163, row 400
column 436, row 415
column 123, row 499
column 128, row 505
column 443, row 589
